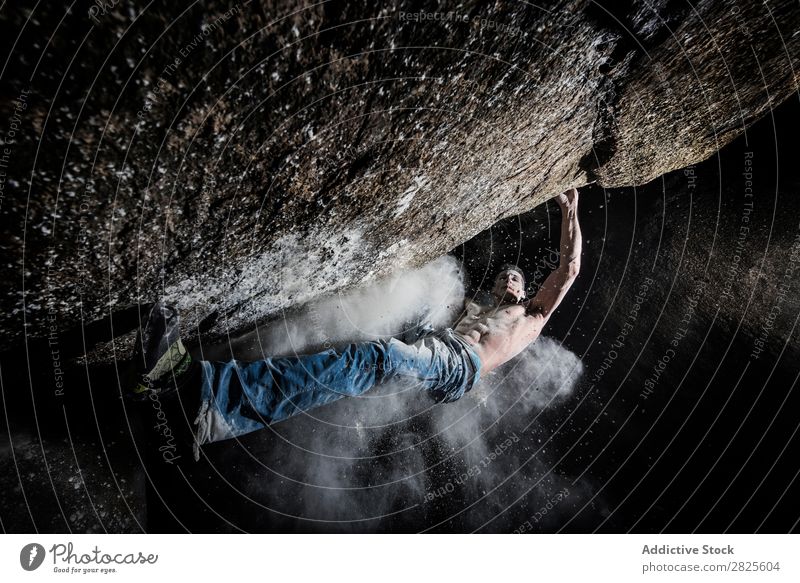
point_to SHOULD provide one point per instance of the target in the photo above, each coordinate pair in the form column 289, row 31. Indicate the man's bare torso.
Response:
column 498, row 333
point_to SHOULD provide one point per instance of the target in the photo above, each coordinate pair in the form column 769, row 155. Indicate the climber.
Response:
column 235, row 398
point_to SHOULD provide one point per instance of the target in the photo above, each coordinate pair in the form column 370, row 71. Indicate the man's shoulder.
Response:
column 533, row 309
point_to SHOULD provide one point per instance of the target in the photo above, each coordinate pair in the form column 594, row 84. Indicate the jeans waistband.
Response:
column 474, row 359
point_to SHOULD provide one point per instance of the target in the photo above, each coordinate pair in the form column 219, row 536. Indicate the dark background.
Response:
column 713, row 449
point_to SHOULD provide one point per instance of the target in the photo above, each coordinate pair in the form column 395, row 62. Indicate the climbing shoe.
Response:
column 162, row 362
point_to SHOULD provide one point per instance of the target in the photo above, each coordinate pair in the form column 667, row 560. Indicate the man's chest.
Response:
column 499, row 315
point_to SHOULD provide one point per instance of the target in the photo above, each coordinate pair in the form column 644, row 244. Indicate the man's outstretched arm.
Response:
column 557, row 284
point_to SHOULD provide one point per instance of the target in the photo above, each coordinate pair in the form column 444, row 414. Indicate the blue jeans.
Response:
column 240, row 397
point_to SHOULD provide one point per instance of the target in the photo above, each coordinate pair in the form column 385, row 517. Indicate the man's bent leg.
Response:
column 240, row 397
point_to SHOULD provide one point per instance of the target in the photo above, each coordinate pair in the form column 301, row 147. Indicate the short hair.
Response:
column 512, row 267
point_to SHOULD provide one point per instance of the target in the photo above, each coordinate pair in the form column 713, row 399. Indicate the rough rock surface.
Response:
column 243, row 158
column 700, row 439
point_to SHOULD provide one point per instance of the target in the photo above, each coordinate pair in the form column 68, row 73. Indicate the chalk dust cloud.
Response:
column 392, row 455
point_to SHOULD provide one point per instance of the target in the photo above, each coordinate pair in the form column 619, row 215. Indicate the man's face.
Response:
column 508, row 284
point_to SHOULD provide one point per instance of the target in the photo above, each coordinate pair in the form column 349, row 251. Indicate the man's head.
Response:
column 509, row 284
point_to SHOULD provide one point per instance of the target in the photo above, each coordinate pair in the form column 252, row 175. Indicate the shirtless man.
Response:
column 229, row 399
column 499, row 332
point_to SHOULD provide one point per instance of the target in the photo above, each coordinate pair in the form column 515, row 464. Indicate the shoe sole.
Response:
column 176, row 359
